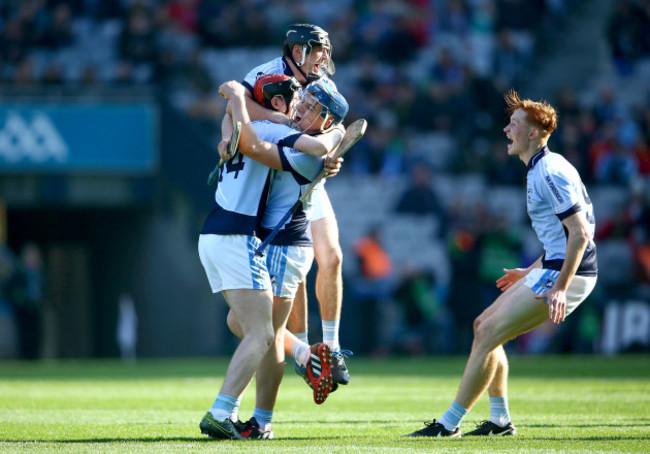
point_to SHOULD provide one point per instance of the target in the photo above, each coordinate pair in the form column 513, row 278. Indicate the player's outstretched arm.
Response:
column 249, row 142
column 513, row 275
column 321, row 144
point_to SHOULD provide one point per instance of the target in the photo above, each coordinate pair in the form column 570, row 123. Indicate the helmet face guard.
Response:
column 311, row 38
column 319, row 101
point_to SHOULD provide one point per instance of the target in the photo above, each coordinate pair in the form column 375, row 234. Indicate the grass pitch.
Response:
column 559, row 404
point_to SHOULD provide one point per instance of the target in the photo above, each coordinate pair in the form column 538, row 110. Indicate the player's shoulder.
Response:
column 276, row 130
column 275, row 66
column 555, row 163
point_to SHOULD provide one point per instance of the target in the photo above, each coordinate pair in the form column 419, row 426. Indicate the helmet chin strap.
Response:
column 309, row 77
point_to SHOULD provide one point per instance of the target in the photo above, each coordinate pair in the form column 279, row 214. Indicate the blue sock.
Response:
column 263, row 417
column 331, row 333
column 303, row 337
column 499, row 411
column 453, row 416
column 223, row 407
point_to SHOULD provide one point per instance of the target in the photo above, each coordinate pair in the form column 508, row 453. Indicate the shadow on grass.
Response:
column 320, row 438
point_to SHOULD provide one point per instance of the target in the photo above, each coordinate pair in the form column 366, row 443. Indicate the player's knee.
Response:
column 332, row 259
column 483, row 334
column 233, row 325
column 477, row 323
column 266, row 336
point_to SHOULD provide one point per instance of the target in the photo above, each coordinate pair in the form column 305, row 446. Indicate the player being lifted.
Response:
column 285, row 261
column 307, row 56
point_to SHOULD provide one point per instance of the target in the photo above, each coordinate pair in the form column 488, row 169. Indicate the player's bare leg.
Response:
column 298, row 318
column 313, row 363
column 253, row 311
column 269, row 374
column 516, row 312
column 329, row 288
column 329, row 257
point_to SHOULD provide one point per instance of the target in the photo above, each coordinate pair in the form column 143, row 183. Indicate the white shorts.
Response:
column 539, row 280
column 231, row 264
column 288, row 267
column 322, row 206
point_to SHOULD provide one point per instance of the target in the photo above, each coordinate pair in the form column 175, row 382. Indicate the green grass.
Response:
column 559, row 404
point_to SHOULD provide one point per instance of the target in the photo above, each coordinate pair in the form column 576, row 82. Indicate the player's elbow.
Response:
column 248, row 146
column 581, row 236
column 318, row 149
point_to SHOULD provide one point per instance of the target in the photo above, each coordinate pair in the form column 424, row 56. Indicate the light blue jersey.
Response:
column 287, row 185
column 554, row 192
column 243, row 186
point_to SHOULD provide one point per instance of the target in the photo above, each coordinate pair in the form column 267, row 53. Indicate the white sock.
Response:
column 331, row 334
column 301, row 353
column 234, row 416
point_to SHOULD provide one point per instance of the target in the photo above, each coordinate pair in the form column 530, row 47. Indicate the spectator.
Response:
column 26, row 294
column 127, row 328
column 59, row 34
column 373, row 286
column 420, row 199
column 137, row 42
column 425, row 326
column 626, row 35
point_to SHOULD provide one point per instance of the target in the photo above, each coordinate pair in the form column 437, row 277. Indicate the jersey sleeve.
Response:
column 276, row 133
column 304, row 168
column 249, row 79
column 561, row 193
column 275, row 66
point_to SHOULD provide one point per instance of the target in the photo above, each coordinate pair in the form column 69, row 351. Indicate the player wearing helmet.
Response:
column 217, row 257
column 307, row 55
column 313, row 54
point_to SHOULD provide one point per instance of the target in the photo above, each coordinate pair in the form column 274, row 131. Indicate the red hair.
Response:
column 540, row 114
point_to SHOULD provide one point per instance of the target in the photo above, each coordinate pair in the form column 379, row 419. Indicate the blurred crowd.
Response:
column 410, row 66
column 428, row 75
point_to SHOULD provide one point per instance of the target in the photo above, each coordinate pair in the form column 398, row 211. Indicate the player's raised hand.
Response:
column 332, row 166
column 511, row 276
column 231, row 89
column 223, row 149
column 556, row 300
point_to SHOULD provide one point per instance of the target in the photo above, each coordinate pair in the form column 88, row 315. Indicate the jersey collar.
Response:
column 287, row 68
column 537, row 156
